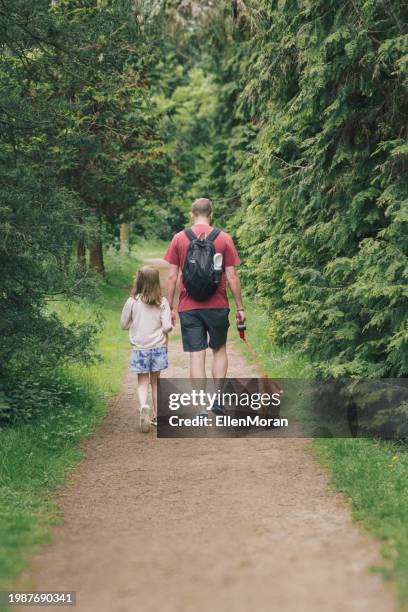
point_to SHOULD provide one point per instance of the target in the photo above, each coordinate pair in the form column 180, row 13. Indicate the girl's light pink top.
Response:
column 148, row 325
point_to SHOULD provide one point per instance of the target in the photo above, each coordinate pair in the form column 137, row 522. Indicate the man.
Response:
column 204, row 323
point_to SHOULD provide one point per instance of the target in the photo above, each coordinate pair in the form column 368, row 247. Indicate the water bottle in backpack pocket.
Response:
column 200, row 275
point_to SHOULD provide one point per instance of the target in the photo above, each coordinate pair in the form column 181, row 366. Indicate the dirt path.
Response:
column 205, row 525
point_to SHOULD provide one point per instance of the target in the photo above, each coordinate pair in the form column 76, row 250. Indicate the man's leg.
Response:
column 197, row 364
column 219, row 372
column 218, row 323
column 194, row 335
column 220, row 362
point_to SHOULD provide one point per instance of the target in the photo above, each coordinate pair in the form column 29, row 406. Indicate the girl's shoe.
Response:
column 145, row 418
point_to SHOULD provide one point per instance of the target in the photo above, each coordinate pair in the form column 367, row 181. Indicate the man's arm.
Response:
column 171, row 289
column 235, row 287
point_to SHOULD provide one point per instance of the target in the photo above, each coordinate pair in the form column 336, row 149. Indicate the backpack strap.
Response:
column 190, row 234
column 213, row 235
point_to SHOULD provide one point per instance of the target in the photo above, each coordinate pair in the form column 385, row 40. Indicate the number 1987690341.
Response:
column 39, row 598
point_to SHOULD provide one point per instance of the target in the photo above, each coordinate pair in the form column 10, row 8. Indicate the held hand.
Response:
column 173, row 318
column 241, row 316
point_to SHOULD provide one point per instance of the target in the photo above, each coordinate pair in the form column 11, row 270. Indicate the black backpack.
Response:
column 199, row 277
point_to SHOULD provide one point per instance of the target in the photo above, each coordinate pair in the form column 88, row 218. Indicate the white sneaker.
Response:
column 145, row 418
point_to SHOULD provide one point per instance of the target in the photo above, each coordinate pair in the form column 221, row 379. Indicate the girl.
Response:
column 146, row 314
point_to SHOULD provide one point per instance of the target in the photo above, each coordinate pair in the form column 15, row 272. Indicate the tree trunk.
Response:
column 96, row 256
column 124, row 238
column 81, row 253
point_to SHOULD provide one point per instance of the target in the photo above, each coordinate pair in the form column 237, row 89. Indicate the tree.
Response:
column 79, row 147
column 324, row 184
column 305, row 150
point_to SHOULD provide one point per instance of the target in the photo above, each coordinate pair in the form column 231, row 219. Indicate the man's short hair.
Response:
column 202, row 207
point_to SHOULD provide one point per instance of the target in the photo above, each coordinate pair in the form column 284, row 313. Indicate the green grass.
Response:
column 277, row 362
column 372, row 475
column 146, row 249
column 37, row 457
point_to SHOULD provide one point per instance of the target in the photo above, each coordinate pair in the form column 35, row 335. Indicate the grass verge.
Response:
column 37, row 457
column 277, row 362
column 372, row 475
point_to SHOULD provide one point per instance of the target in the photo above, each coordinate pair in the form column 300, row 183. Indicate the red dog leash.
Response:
column 241, row 327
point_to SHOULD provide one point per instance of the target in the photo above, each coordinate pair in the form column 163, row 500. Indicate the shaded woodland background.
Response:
column 290, row 115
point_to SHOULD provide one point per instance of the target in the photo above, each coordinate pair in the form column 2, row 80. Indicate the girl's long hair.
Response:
column 147, row 286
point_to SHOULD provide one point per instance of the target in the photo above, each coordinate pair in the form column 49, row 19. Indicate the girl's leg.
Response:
column 143, row 388
column 154, row 377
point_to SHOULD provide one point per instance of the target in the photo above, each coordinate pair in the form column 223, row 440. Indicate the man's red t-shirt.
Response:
column 176, row 254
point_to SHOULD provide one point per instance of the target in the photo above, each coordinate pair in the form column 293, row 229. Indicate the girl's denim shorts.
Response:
column 143, row 361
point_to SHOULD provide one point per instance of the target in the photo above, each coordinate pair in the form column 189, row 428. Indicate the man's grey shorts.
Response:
column 203, row 328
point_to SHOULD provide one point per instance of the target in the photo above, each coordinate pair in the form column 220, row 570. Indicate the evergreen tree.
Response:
column 79, row 148
column 305, row 155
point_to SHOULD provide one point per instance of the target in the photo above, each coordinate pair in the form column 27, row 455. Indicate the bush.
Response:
column 23, row 400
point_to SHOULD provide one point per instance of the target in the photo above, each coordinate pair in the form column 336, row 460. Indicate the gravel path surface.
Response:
column 205, row 525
